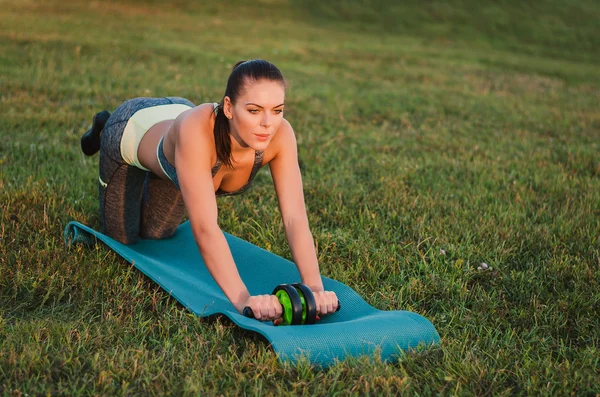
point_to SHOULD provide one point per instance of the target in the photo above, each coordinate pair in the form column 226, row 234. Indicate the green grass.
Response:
column 432, row 138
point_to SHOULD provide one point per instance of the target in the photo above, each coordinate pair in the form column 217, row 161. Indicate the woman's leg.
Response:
column 134, row 202
column 121, row 184
column 121, row 187
column 162, row 208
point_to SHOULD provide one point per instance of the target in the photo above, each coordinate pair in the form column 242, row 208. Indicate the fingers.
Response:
column 327, row 302
column 265, row 307
column 277, row 308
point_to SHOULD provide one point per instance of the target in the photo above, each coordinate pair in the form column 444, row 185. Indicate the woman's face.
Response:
column 257, row 113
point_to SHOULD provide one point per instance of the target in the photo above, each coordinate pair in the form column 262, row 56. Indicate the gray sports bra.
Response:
column 171, row 172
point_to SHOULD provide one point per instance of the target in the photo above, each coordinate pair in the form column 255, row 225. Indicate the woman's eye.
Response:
column 253, row 111
column 278, row 111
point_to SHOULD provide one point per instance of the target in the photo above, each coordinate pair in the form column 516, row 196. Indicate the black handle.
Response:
column 248, row 312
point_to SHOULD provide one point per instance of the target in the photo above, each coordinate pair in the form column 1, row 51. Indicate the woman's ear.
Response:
column 227, row 107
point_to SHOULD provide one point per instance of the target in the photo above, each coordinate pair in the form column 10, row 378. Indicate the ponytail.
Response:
column 222, row 140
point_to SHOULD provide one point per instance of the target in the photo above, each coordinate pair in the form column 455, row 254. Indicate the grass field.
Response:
column 433, row 138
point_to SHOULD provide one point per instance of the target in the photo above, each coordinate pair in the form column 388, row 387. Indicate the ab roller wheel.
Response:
column 298, row 302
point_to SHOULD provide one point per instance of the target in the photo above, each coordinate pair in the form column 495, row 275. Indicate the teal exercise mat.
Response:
column 357, row 329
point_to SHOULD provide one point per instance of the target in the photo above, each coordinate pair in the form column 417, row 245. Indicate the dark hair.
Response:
column 242, row 73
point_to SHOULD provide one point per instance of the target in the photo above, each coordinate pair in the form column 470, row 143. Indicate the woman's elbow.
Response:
column 204, row 233
column 293, row 222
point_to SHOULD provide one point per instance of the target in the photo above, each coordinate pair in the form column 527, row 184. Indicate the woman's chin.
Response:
column 260, row 143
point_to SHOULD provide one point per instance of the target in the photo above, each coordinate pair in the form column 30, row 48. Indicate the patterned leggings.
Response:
column 134, row 202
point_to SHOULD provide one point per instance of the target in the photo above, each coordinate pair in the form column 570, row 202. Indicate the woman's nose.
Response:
column 266, row 120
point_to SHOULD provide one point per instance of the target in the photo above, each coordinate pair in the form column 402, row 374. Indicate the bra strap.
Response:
column 216, row 167
column 258, row 158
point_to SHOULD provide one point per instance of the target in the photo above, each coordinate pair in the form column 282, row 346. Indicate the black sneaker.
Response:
column 90, row 141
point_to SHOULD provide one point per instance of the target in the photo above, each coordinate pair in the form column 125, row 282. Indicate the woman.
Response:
column 161, row 157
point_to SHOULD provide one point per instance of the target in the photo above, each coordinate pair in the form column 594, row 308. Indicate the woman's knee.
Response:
column 163, row 209
column 120, row 197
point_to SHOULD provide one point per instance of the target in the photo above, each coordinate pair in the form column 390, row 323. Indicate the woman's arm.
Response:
column 193, row 163
column 288, row 185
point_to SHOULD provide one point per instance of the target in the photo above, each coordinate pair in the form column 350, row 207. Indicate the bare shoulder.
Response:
column 283, row 141
column 199, row 120
column 193, row 130
column 197, row 123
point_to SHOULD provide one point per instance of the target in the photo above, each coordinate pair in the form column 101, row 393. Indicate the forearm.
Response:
column 219, row 262
column 304, row 255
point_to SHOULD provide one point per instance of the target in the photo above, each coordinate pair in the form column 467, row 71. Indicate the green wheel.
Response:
column 291, row 302
column 309, row 305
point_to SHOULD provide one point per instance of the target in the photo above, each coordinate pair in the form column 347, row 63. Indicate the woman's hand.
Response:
column 265, row 307
column 327, row 302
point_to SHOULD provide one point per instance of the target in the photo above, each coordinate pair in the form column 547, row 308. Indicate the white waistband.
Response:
column 139, row 123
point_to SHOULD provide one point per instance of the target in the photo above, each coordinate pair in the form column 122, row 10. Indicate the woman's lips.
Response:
column 262, row 137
